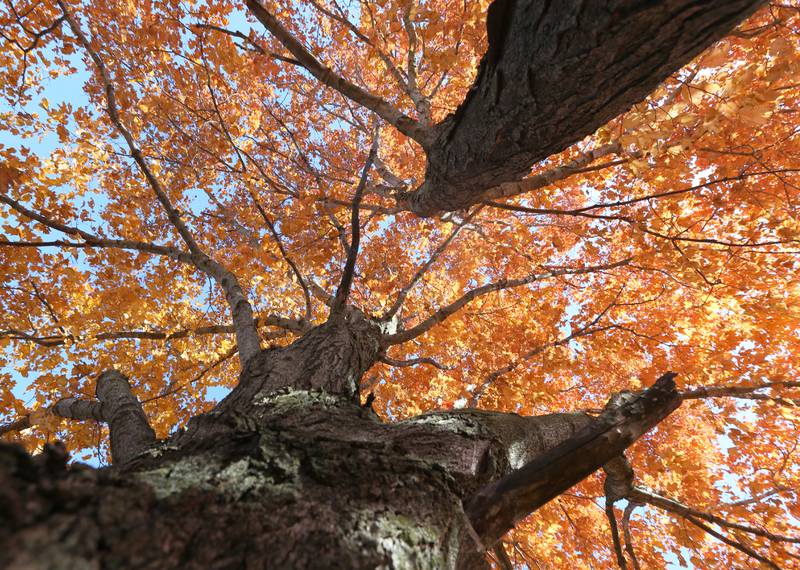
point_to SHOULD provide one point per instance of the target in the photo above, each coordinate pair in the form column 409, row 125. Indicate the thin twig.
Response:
column 612, row 523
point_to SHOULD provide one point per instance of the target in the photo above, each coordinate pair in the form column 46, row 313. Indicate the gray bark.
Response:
column 308, row 480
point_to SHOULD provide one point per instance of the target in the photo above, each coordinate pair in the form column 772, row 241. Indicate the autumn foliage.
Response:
column 667, row 240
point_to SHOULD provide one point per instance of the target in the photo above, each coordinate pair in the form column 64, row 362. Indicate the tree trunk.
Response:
column 289, row 471
column 318, row 482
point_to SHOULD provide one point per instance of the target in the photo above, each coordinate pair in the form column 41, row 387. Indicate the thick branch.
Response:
column 554, row 73
column 16, row 425
column 127, row 425
column 496, row 508
column 327, row 76
column 117, row 406
column 75, row 409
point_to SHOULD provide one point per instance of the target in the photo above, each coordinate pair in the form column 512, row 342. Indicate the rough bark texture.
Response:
column 289, row 471
column 330, row 357
column 554, row 73
column 308, row 480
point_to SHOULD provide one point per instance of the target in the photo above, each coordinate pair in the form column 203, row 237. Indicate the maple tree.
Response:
column 350, row 214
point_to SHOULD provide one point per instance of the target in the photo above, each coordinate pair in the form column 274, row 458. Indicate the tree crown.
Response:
column 205, row 179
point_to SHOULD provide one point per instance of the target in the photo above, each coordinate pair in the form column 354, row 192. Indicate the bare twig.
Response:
column 285, row 255
column 627, row 202
column 255, row 46
column 612, row 523
column 401, row 296
column 582, row 331
column 448, row 310
column 206, row 369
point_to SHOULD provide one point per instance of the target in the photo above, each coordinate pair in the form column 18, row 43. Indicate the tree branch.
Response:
column 556, row 174
column 401, row 296
column 289, row 261
column 448, row 310
column 390, row 66
column 585, row 330
column 626, row 530
column 502, row 558
column 643, row 496
column 296, row 326
column 531, row 100
column 414, row 362
column 497, row 507
column 16, row 425
column 343, row 291
column 116, row 405
column 113, row 113
column 327, row 76
column 75, row 409
column 584, row 211
column 89, row 240
column 734, row 543
column 246, row 334
column 206, row 369
column 255, row 46
column 612, row 523
column 743, row 392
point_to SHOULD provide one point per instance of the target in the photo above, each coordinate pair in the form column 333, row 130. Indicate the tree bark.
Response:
column 289, row 471
column 553, row 74
column 118, row 407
